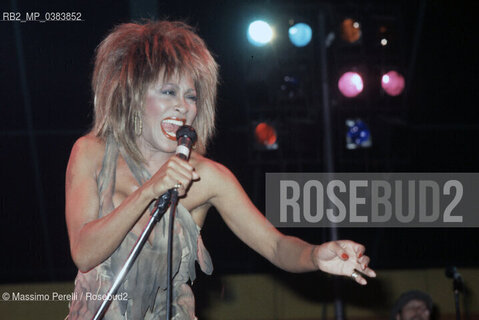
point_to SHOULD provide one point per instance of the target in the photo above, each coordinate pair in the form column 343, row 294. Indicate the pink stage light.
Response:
column 393, row 83
column 350, row 84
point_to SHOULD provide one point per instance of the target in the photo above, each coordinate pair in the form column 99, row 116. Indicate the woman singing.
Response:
column 148, row 81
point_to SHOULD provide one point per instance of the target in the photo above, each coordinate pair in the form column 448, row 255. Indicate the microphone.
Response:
column 458, row 285
column 186, row 137
column 451, row 272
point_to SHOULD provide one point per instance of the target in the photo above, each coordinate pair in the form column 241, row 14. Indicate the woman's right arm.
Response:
column 94, row 239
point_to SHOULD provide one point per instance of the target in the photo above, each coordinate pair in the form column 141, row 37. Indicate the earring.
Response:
column 138, row 124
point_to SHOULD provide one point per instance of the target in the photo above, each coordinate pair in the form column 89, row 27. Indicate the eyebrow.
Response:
column 177, row 86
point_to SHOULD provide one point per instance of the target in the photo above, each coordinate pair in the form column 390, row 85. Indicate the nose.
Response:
column 181, row 106
column 422, row 312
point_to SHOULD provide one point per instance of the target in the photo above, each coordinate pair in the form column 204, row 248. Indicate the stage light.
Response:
column 358, row 134
column 300, row 34
column 290, row 87
column 350, row 30
column 350, row 84
column 393, row 83
column 266, row 136
column 384, row 42
column 259, row 33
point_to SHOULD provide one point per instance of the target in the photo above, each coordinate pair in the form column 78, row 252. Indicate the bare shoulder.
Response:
column 216, row 180
column 88, row 145
column 87, row 154
column 210, row 170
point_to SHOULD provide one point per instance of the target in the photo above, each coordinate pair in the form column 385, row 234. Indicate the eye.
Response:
column 169, row 92
column 193, row 98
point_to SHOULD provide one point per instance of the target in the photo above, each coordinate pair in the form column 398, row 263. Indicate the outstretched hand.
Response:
column 343, row 257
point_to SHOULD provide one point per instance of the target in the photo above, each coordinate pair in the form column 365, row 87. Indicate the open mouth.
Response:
column 169, row 126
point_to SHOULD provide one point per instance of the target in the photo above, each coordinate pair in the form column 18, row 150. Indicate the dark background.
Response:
column 46, row 105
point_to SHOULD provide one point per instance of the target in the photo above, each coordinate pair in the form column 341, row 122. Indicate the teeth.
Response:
column 169, row 127
column 175, row 122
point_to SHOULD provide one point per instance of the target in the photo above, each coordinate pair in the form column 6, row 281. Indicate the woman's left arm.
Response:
column 289, row 253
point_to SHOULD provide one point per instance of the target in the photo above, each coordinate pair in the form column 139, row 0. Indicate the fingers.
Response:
column 358, row 258
column 175, row 173
column 185, row 166
column 357, row 252
column 180, row 173
column 358, row 249
column 357, row 276
column 195, row 175
column 340, row 250
column 370, row 273
column 363, row 266
column 363, row 262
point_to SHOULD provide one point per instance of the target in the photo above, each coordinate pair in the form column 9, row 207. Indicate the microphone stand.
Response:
column 457, row 284
column 160, row 208
column 169, row 274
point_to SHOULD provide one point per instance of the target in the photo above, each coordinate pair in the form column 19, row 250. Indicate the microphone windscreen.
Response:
column 451, row 272
column 188, row 132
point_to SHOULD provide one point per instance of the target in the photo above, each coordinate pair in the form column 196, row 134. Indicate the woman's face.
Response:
column 169, row 104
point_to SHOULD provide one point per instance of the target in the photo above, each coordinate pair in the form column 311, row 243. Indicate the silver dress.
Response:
column 143, row 293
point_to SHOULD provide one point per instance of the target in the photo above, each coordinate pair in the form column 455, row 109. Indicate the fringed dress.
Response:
column 143, row 293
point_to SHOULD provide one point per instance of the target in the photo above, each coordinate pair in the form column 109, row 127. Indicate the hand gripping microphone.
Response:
column 186, row 138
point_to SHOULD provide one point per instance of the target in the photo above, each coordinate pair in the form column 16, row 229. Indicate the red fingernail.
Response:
column 345, row 256
column 360, row 255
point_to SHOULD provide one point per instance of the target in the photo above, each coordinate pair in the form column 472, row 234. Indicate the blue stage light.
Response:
column 259, row 33
column 300, row 34
column 358, row 134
